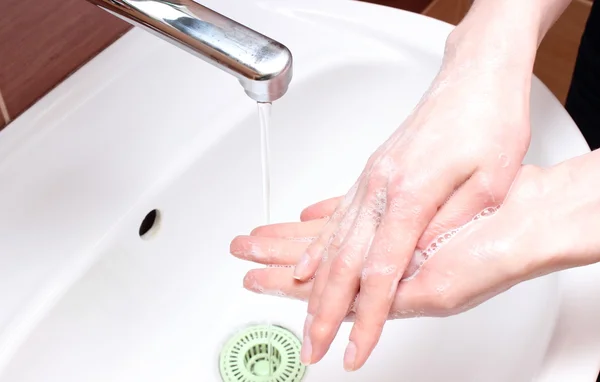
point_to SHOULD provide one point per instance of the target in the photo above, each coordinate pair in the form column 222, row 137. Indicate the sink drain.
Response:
column 245, row 357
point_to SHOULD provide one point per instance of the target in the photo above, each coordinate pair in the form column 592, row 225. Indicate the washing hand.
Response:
column 454, row 156
column 547, row 223
column 433, row 293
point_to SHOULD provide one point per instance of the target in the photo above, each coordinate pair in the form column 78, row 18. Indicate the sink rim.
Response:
column 17, row 134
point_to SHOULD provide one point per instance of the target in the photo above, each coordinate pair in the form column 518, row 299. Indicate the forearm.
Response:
column 492, row 52
column 501, row 37
column 517, row 20
column 573, row 212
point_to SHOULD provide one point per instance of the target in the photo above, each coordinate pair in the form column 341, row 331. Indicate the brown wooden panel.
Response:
column 450, row 11
column 409, row 5
column 43, row 41
column 558, row 52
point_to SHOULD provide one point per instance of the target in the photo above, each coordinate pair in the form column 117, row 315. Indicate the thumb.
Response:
column 321, row 209
column 474, row 197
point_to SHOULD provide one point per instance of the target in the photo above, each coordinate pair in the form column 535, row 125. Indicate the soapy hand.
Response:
column 283, row 244
column 545, row 224
column 429, row 289
column 454, row 156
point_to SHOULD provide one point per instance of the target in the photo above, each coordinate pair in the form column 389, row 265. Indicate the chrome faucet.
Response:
column 262, row 65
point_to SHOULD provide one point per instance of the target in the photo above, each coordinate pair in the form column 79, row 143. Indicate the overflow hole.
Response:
column 150, row 224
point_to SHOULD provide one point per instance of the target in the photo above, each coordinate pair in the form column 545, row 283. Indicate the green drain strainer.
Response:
column 245, row 357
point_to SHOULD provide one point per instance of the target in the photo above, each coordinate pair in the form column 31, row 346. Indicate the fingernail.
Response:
column 350, row 356
column 306, row 354
column 301, row 266
column 307, row 324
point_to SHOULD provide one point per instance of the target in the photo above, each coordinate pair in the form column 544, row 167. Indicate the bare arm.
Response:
column 510, row 30
column 568, row 228
column 499, row 39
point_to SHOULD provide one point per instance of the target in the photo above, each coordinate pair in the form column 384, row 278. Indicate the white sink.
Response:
column 146, row 126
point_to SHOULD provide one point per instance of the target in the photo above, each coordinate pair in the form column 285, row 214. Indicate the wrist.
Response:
column 560, row 215
column 496, row 73
column 492, row 52
column 517, row 20
column 503, row 36
column 491, row 44
column 578, row 211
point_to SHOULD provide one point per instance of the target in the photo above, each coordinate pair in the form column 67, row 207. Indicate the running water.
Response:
column 264, row 116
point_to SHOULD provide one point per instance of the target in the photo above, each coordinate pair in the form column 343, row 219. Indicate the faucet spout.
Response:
column 262, row 65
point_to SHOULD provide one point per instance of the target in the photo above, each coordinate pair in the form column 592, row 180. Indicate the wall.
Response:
column 43, row 41
column 409, row 5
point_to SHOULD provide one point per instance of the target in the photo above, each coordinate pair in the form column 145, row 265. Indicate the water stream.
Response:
column 264, row 116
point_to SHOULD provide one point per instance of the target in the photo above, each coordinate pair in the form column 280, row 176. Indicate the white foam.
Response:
column 420, row 257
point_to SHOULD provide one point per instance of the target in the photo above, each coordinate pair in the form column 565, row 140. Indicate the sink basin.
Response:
column 145, row 126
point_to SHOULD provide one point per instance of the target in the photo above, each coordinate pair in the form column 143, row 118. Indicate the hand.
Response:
column 282, row 245
column 456, row 155
column 546, row 224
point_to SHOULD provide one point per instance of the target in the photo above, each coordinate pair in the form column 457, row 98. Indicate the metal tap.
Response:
column 262, row 65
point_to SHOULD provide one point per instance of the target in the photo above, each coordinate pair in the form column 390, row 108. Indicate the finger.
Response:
column 408, row 211
column 412, row 298
column 456, row 277
column 267, row 250
column 310, row 260
column 343, row 281
column 297, row 230
column 322, row 209
column 433, row 291
column 379, row 279
column 416, row 261
column 321, row 277
column 429, row 293
column 331, row 251
column 277, row 282
column 470, row 198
